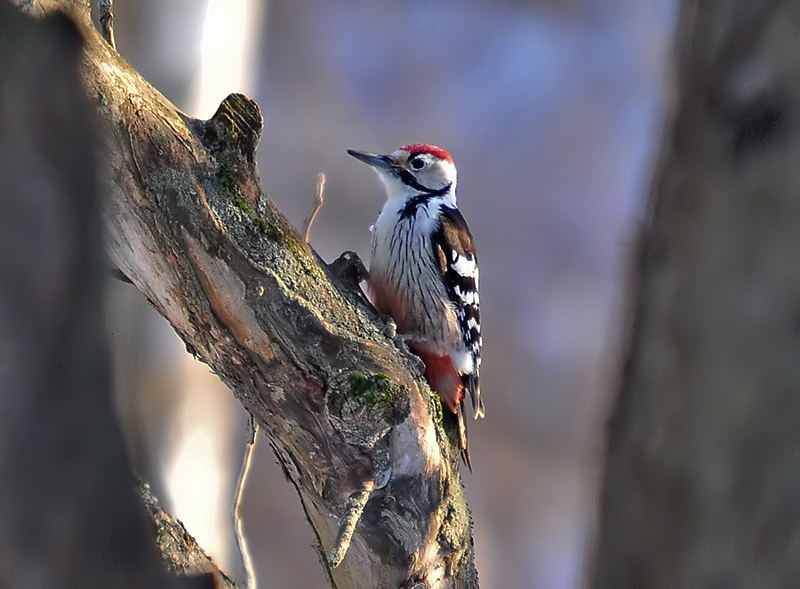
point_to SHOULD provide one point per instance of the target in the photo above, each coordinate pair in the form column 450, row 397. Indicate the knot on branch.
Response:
column 365, row 406
column 235, row 128
column 231, row 136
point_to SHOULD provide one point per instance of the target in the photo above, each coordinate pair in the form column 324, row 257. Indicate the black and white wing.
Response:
column 455, row 252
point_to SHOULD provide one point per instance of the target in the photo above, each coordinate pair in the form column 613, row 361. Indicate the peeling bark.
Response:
column 188, row 223
column 703, row 473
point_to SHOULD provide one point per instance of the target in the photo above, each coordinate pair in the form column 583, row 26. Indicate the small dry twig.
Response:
column 353, row 509
column 241, row 484
column 319, row 199
column 106, row 18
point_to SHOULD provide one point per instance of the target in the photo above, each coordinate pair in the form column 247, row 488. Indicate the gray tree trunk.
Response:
column 702, row 487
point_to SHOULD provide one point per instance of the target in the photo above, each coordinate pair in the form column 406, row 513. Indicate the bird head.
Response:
column 412, row 170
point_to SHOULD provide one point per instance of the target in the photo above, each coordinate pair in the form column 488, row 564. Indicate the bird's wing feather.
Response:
column 455, row 253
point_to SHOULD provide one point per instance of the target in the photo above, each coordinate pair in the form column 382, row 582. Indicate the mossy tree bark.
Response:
column 347, row 414
column 703, row 473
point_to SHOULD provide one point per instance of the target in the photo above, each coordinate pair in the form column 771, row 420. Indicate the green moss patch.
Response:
column 242, row 204
column 358, row 392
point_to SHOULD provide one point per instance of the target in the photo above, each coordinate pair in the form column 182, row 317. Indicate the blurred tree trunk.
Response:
column 352, row 423
column 702, row 487
column 69, row 512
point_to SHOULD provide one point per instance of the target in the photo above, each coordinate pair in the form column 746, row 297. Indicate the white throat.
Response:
column 398, row 193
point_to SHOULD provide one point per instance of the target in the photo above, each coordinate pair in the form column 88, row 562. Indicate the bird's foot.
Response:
column 351, row 271
column 389, row 328
column 401, row 341
column 349, row 268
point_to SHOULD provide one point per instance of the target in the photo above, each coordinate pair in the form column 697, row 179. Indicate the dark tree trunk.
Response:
column 69, row 512
column 702, row 487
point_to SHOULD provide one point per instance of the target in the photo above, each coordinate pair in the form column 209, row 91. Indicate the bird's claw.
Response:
column 350, row 268
column 389, row 328
column 401, row 341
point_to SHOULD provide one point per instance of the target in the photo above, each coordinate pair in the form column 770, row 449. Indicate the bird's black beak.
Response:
column 384, row 162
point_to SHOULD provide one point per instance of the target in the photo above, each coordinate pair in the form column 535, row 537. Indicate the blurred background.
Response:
column 551, row 110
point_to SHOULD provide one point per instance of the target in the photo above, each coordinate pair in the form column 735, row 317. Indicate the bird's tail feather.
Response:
column 470, row 382
column 463, row 442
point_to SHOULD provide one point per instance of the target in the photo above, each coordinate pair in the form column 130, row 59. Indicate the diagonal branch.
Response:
column 188, row 223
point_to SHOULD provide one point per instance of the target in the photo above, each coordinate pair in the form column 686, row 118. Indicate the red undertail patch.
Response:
column 444, row 379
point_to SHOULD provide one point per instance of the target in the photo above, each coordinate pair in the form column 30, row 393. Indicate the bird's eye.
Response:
column 418, row 163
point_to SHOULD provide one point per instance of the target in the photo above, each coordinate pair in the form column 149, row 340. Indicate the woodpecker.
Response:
column 423, row 273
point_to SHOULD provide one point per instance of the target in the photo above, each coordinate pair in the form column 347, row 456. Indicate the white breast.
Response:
column 403, row 260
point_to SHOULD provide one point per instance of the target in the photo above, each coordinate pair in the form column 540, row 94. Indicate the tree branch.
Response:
column 188, row 223
column 181, row 552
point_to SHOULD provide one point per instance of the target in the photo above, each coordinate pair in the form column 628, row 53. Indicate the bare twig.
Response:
column 241, row 484
column 319, row 199
column 106, row 9
column 353, row 509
